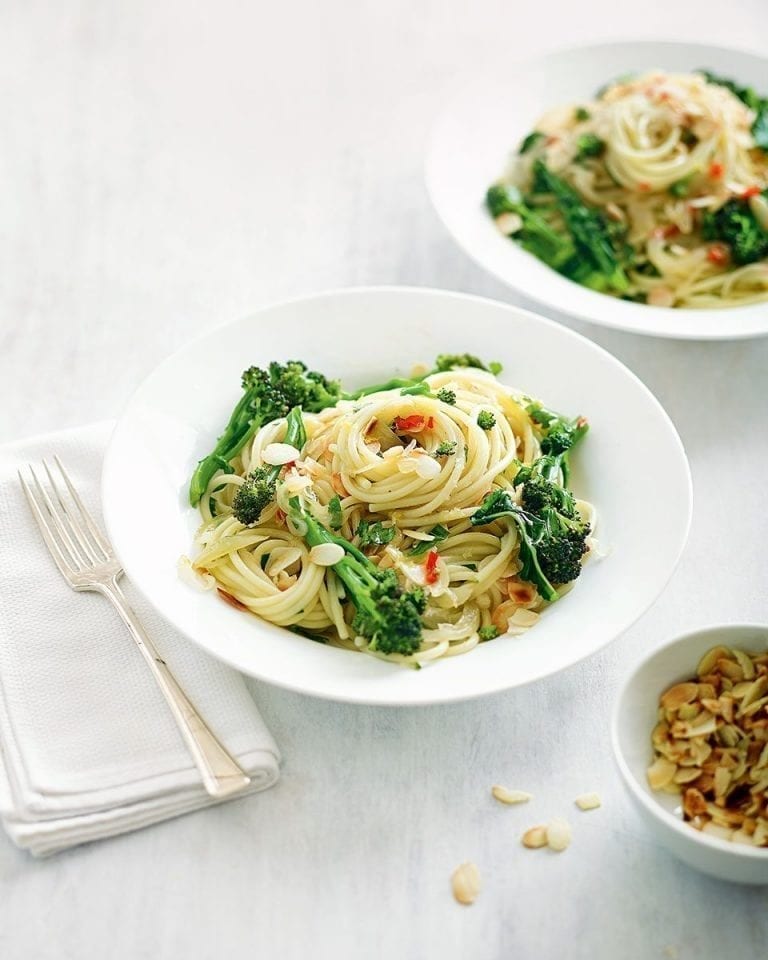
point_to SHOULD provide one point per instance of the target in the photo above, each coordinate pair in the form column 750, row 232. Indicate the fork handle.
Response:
column 221, row 773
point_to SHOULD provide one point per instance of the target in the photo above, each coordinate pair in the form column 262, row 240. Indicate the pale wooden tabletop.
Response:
column 167, row 168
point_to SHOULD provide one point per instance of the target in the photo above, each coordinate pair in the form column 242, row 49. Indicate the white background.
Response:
column 166, row 167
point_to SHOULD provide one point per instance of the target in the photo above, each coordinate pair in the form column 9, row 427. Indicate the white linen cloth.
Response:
column 88, row 745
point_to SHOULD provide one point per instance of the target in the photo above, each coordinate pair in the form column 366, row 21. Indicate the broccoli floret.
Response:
column 529, row 142
column 488, row 633
column 589, row 145
column 588, row 229
column 450, row 361
column 269, row 394
column 580, row 114
column 486, row 420
column 446, row 449
column 374, row 534
column 499, row 505
column 552, row 533
column 447, row 396
column 558, row 434
column 551, row 543
column 335, row 517
column 535, row 234
column 681, row 188
column 735, row 224
column 254, row 495
column 386, row 615
column 260, row 485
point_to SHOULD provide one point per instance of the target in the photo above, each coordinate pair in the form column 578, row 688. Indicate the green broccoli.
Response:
column 438, row 534
column 335, row 515
column 488, row 633
column 558, row 434
column 260, row 486
column 535, row 235
column 530, row 141
column 587, row 227
column 269, row 394
column 374, row 534
column 735, row 224
column 589, row 145
column 445, row 449
column 387, row 616
column 443, row 363
column 447, row 396
column 486, row 420
column 580, row 114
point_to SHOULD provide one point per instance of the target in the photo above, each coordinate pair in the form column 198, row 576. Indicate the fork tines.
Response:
column 72, row 536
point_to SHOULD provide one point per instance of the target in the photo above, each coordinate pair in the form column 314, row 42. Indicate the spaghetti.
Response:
column 673, row 169
column 399, row 475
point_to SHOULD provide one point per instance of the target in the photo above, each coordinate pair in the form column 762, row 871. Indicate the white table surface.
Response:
column 166, row 169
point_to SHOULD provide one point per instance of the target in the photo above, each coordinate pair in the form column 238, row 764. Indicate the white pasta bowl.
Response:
column 364, row 336
column 484, row 122
column 635, row 716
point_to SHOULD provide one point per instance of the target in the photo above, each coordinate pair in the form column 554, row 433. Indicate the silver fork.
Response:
column 86, row 560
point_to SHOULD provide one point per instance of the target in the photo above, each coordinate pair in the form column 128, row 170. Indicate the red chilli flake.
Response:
column 670, row 230
column 751, row 192
column 717, row 254
column 430, row 568
column 411, row 424
column 644, row 186
column 716, row 170
column 279, row 515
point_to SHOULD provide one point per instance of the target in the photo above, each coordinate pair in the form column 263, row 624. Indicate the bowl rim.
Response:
column 108, row 468
column 617, row 318
column 678, row 826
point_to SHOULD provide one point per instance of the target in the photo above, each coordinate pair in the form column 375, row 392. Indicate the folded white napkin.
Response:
column 87, row 743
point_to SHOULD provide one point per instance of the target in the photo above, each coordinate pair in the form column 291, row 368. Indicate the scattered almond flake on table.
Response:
column 503, row 795
column 535, row 837
column 465, row 883
column 558, row 834
column 588, row 801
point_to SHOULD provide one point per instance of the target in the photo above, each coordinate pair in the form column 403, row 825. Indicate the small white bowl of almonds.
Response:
column 690, row 736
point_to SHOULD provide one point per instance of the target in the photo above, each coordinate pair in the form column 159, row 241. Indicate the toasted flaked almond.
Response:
column 660, row 773
column 326, row 554
column 279, row 453
column 745, row 662
column 558, row 834
column 681, row 693
column 535, row 837
column 694, row 802
column 722, row 781
column 755, row 691
column 588, row 801
column 710, row 658
column 524, row 618
column 503, row 795
column 465, row 883
column 686, row 775
column 427, row 467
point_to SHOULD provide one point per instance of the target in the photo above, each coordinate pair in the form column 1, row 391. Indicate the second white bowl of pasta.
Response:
column 624, row 183
column 452, row 513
